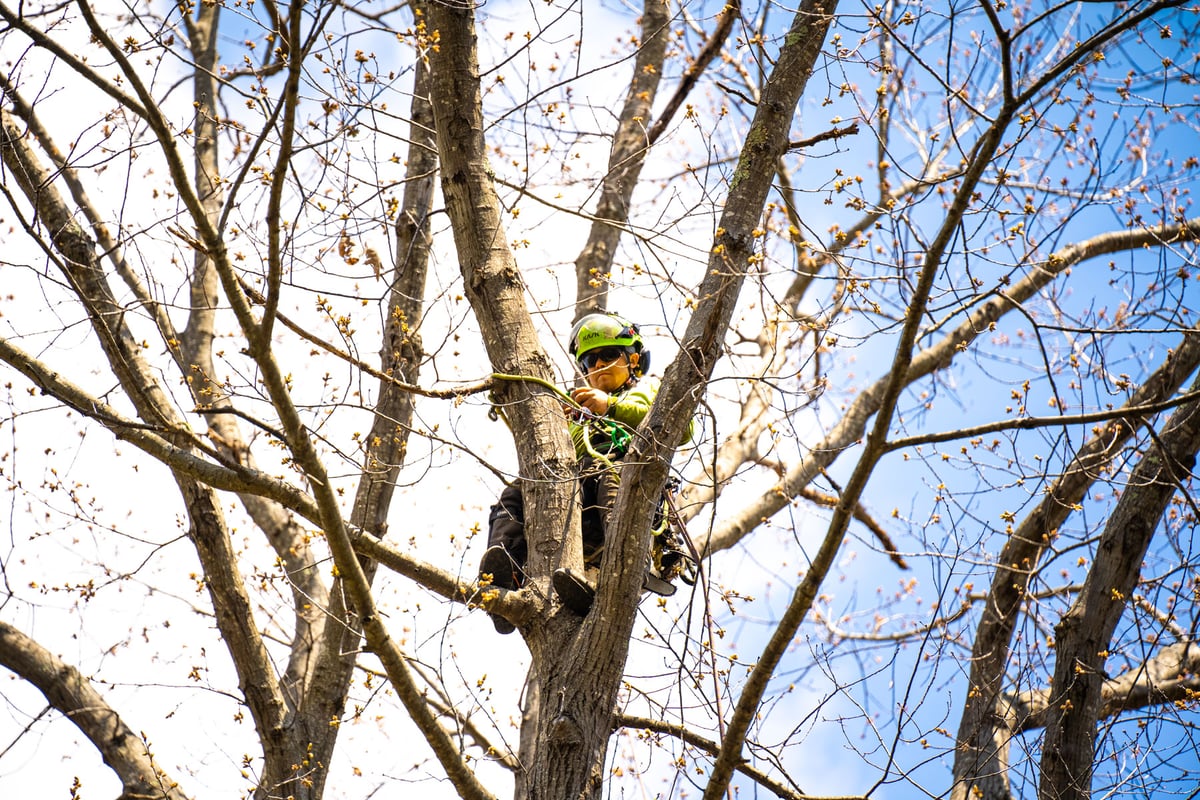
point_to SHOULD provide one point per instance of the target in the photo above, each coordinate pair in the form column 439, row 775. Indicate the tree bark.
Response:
column 287, row 538
column 1172, row 675
column 731, row 259
column 497, row 294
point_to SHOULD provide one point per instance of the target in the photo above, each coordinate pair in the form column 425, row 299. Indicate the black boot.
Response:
column 573, row 590
column 503, row 571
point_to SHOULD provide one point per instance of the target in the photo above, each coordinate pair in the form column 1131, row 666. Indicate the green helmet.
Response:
column 607, row 330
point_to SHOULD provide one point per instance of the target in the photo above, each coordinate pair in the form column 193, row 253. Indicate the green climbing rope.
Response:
column 495, row 413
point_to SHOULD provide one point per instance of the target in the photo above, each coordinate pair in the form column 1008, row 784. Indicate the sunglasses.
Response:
column 606, row 354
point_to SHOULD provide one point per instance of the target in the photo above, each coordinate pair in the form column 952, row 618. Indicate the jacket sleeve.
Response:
column 631, row 407
column 628, row 408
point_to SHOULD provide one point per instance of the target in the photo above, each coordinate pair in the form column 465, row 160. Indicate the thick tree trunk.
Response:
column 497, row 294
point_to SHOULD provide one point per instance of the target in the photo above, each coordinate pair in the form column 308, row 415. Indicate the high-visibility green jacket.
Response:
column 611, row 434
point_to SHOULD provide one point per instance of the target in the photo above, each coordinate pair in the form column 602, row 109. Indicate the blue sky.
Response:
column 837, row 702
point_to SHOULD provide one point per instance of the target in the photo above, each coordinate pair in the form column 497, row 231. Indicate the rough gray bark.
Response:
column 497, row 295
column 544, row 452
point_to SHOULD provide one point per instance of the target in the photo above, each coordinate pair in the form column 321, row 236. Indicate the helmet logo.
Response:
column 603, row 330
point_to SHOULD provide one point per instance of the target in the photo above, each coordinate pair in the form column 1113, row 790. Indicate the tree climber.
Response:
column 612, row 359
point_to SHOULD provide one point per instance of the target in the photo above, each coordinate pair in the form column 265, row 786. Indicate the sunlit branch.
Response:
column 630, row 143
column 290, row 102
column 82, row 270
column 237, row 412
column 889, row 389
column 777, row 106
column 970, row 601
column 514, row 605
column 149, row 111
column 1047, row 189
column 944, row 85
column 1164, row 618
column 1070, row 59
column 1084, row 633
column 982, row 745
column 154, row 442
column 73, row 696
column 742, row 447
column 445, row 706
column 1032, row 423
column 76, row 257
column 825, row 136
column 109, row 246
column 80, row 67
column 864, row 517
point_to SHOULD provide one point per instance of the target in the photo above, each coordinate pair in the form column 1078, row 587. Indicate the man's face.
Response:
column 608, row 368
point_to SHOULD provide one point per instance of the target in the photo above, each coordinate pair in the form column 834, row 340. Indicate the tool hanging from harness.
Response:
column 672, row 551
column 603, row 436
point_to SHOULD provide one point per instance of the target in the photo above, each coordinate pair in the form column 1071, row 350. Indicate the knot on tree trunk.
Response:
column 565, row 732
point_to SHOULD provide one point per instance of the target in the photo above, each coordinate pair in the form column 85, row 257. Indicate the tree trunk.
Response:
column 980, row 765
column 1084, row 634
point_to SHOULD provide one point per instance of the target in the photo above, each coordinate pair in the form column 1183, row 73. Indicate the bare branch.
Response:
column 853, row 423
column 73, row 696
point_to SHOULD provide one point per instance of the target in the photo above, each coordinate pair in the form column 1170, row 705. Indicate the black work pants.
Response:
column 598, row 487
